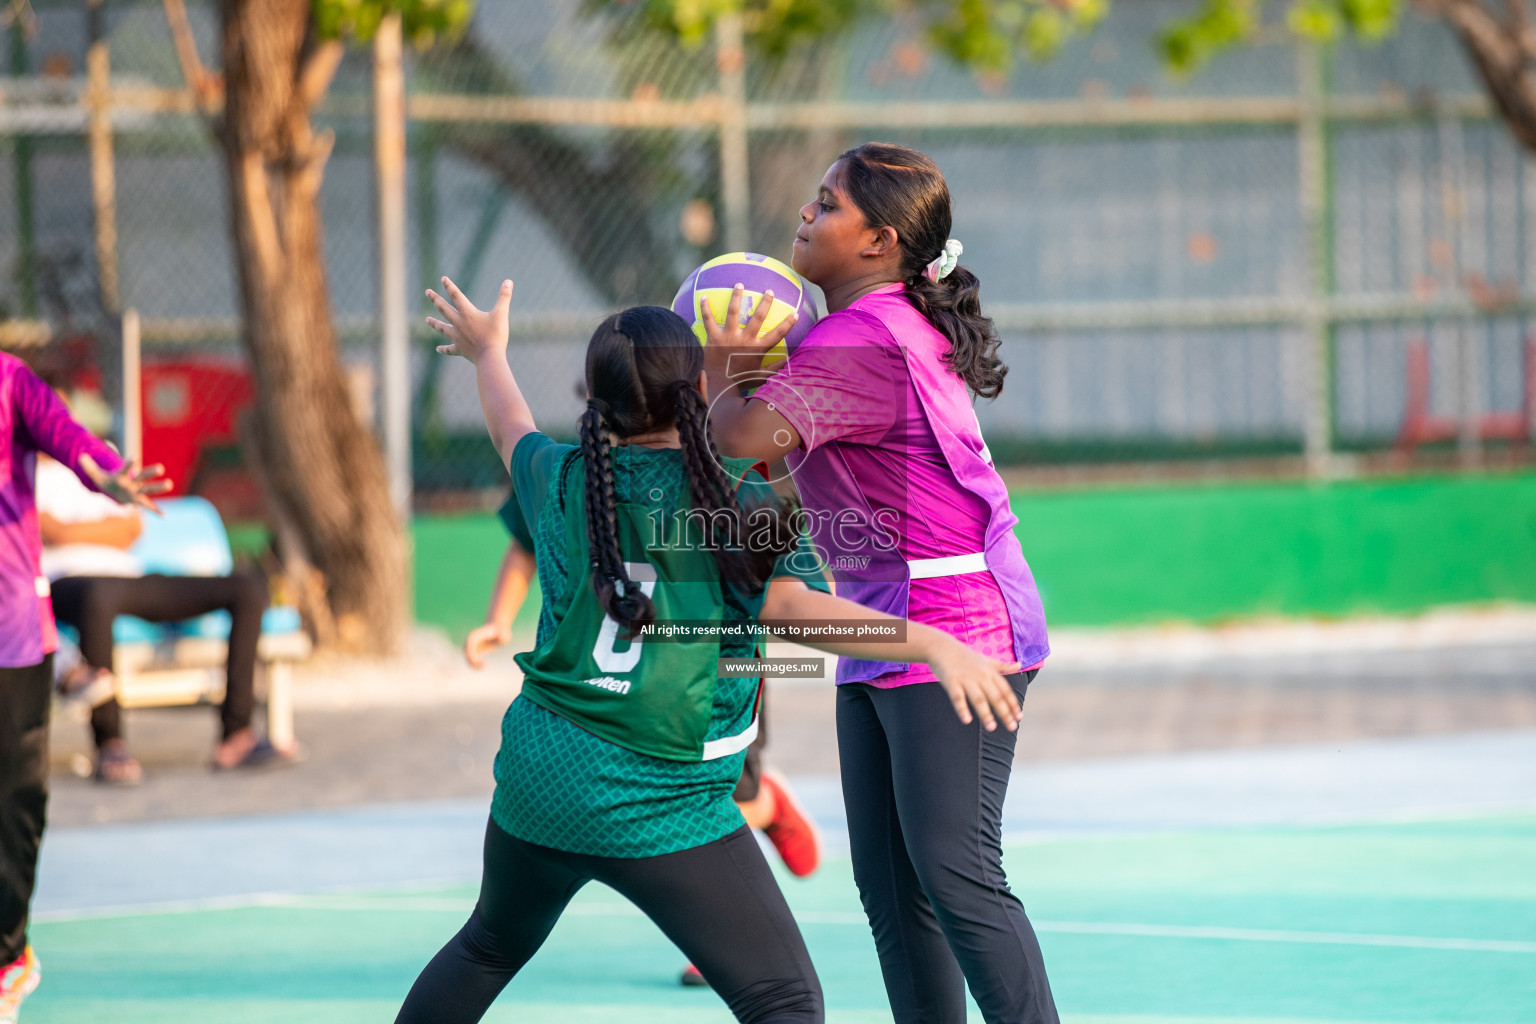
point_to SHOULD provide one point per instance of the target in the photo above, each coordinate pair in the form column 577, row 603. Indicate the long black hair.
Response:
column 900, row 187
column 643, row 367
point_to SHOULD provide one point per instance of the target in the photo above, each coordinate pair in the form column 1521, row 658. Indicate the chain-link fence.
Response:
column 1297, row 252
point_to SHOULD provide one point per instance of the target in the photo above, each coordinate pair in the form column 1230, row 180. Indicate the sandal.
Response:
column 116, row 767
column 263, row 755
column 86, row 688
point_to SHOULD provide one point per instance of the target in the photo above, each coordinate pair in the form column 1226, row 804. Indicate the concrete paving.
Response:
column 427, row 728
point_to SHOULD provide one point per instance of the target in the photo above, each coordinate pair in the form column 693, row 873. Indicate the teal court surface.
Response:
column 1389, row 881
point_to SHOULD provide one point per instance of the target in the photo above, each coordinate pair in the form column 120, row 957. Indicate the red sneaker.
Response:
column 17, row 980
column 791, row 831
column 692, row 978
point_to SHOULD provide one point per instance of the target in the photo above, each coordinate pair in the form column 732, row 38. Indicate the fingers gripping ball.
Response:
column 714, row 281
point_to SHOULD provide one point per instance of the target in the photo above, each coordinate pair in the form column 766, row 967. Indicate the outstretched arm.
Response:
column 57, row 434
column 481, row 337
column 972, row 680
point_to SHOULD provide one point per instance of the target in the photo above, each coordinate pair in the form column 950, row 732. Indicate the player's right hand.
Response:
column 130, row 485
column 471, row 332
column 484, row 639
column 975, row 682
column 749, row 336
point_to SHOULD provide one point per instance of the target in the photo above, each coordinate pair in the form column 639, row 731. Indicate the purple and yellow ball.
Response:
column 714, row 281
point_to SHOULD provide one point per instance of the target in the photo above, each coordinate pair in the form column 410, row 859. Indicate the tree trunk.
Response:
column 324, row 467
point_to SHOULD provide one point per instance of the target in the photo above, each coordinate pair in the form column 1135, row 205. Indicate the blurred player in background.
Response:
column 33, row 419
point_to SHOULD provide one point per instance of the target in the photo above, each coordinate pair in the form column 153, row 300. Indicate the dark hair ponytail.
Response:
column 620, row 596
column 896, row 186
column 745, row 547
column 643, row 367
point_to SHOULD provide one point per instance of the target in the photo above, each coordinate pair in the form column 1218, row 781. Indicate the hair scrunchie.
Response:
column 945, row 261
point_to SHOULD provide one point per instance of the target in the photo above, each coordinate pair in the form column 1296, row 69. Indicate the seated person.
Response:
column 95, row 578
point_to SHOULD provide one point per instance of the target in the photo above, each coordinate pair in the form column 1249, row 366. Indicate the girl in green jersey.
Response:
column 620, row 755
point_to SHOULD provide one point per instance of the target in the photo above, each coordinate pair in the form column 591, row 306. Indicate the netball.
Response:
column 713, row 282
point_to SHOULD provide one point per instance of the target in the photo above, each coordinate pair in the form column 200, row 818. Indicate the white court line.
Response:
column 437, row 905
column 1270, row 935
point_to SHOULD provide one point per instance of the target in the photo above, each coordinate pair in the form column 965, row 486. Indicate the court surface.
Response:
column 1390, row 881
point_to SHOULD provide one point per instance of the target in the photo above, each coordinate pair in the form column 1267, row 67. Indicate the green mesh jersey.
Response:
column 560, row 786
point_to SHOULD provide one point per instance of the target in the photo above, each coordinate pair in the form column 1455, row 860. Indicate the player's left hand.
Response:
column 749, row 336
column 975, row 682
column 471, row 332
column 483, row 639
column 129, row 485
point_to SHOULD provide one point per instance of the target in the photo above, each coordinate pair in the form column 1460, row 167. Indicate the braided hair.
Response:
column 896, row 186
column 620, row 597
column 643, row 367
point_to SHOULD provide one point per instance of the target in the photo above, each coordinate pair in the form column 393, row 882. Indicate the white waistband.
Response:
column 951, row 565
column 41, row 586
column 730, row 744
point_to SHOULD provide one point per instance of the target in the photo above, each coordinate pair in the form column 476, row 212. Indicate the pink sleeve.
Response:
column 54, row 431
column 845, row 382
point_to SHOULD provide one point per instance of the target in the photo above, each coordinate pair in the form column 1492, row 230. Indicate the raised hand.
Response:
column 129, row 485
column 975, row 681
column 733, row 334
column 471, row 332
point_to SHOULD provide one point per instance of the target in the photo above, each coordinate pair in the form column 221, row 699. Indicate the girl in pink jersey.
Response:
column 873, row 414
column 33, row 419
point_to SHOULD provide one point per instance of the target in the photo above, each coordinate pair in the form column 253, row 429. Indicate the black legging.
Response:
column 90, row 603
column 718, row 902
column 24, row 696
column 924, row 796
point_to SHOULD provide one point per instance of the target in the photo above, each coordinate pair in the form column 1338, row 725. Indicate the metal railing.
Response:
column 100, row 107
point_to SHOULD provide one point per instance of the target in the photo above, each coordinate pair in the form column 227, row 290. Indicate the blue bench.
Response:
column 159, row 664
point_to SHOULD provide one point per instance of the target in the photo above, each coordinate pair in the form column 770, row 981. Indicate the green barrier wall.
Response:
column 1214, row 553
column 456, row 562
column 1197, row 553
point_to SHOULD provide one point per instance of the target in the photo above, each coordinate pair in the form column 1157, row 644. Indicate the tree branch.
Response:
column 1502, row 58
column 317, row 72
column 311, row 165
column 317, row 69
column 207, row 87
column 186, row 44
column 1519, row 21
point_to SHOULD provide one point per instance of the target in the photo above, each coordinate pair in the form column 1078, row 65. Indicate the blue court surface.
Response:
column 1390, row 881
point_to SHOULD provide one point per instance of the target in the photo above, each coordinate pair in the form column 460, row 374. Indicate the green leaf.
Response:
column 1372, row 20
column 1188, row 43
column 1045, row 32
column 1317, row 20
column 423, row 22
column 988, row 35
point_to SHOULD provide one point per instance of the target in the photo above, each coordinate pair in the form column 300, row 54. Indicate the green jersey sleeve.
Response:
column 511, row 516
column 535, row 460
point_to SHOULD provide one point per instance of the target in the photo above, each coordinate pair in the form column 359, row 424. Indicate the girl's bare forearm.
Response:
column 507, row 415
column 799, row 602
column 511, row 587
